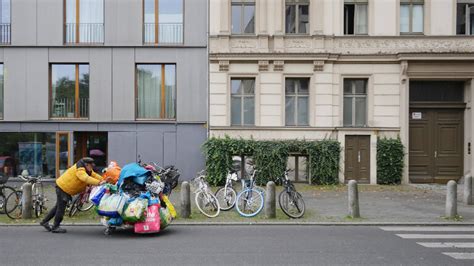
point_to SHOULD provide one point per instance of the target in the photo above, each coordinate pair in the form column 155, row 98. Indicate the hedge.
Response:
column 270, row 158
column 390, row 161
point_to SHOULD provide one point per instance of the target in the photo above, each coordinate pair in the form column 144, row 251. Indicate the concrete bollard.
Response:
column 353, row 198
column 270, row 202
column 185, row 210
column 27, row 202
column 468, row 190
column 451, row 199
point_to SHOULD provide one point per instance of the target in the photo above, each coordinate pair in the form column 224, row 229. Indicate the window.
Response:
column 69, row 91
column 84, row 21
column 355, row 102
column 163, row 21
column 1, row 91
column 243, row 16
column 243, row 102
column 156, row 91
column 436, row 91
column 411, row 16
column 296, row 102
column 5, row 22
column 465, row 17
column 355, row 17
column 298, row 164
column 297, row 16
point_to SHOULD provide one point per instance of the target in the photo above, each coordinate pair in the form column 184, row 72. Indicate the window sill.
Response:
column 155, row 120
column 68, row 119
column 412, row 34
column 163, row 44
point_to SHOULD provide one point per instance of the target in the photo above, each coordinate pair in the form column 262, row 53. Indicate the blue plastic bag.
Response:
column 97, row 193
column 115, row 221
column 135, row 171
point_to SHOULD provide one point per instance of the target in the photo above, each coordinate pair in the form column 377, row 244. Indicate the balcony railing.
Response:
column 163, row 33
column 84, row 33
column 5, row 33
column 66, row 108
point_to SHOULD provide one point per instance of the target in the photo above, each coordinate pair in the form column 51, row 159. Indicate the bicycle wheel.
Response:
column 208, row 204
column 84, row 206
column 13, row 205
column 292, row 204
column 226, row 198
column 38, row 208
column 5, row 191
column 39, row 199
column 74, row 207
column 249, row 202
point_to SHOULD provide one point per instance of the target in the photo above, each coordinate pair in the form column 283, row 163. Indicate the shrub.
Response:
column 270, row 158
column 390, row 161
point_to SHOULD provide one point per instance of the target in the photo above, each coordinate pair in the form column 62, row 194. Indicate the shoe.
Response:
column 58, row 230
column 46, row 226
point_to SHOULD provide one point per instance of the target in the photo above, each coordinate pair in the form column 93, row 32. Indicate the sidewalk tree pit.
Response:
column 270, row 158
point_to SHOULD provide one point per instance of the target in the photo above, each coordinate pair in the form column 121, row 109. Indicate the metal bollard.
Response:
column 27, row 202
column 185, row 210
column 353, row 197
column 451, row 199
column 468, row 190
column 270, row 202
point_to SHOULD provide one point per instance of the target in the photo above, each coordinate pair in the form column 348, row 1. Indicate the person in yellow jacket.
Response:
column 72, row 182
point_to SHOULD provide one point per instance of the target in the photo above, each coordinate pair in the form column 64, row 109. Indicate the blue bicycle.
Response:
column 250, row 200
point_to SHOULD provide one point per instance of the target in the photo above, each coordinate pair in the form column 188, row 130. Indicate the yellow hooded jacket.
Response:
column 76, row 179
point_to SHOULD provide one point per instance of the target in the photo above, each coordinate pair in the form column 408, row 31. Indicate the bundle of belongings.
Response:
column 138, row 198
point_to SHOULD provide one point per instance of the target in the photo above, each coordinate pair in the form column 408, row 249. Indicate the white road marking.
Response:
column 435, row 236
column 460, row 255
column 447, row 244
column 428, row 228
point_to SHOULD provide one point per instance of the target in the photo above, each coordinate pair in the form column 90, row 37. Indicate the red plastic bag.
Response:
column 151, row 223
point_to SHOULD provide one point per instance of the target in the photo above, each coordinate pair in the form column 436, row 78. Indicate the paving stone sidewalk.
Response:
column 378, row 204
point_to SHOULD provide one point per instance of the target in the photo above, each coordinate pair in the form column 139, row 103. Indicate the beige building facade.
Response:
column 350, row 70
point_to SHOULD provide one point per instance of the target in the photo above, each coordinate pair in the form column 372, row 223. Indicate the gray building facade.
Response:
column 115, row 80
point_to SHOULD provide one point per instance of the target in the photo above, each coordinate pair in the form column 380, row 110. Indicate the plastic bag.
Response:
column 115, row 221
column 151, row 223
column 168, row 205
column 112, row 205
column 135, row 210
column 165, row 218
column 112, row 172
column 97, row 193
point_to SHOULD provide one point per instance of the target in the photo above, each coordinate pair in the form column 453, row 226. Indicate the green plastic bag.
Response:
column 165, row 217
column 135, row 211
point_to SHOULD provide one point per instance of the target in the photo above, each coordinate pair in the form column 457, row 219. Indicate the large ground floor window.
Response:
column 34, row 152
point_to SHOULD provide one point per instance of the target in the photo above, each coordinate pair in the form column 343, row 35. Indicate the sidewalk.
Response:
column 416, row 204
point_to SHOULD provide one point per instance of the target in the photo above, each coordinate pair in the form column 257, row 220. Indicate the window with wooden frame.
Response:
column 297, row 17
column 1, row 92
column 297, row 101
column 83, row 21
column 355, row 17
column 299, row 165
column 465, row 17
column 355, row 102
column 163, row 21
column 243, row 16
column 69, row 91
column 411, row 16
column 242, row 101
column 156, row 91
column 5, row 21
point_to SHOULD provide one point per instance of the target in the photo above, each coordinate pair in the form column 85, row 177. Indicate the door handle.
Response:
column 436, row 154
column 358, row 156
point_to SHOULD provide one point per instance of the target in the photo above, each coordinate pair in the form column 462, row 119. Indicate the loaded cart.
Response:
column 138, row 200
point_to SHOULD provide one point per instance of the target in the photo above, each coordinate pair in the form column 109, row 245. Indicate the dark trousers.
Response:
column 62, row 198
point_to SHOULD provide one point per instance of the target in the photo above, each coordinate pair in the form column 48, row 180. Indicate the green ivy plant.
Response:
column 270, row 158
column 390, row 161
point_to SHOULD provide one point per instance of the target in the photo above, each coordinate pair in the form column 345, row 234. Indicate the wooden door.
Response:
column 436, row 145
column 357, row 158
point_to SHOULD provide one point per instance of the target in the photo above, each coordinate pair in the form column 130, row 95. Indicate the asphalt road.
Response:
column 218, row 245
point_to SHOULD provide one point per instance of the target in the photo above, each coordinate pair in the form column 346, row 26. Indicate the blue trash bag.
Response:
column 135, row 171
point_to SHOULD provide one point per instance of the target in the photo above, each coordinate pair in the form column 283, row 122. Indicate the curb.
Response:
column 178, row 223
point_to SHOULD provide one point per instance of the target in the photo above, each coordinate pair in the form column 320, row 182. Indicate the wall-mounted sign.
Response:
column 416, row 115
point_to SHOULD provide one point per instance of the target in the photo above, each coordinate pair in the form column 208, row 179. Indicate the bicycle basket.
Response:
column 3, row 178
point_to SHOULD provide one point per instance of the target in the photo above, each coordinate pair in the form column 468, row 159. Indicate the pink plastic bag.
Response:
column 151, row 223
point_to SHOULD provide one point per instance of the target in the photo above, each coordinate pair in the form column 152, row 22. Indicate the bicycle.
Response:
column 250, row 200
column 290, row 198
column 226, row 195
column 205, row 200
column 5, row 191
column 81, row 202
column 14, row 200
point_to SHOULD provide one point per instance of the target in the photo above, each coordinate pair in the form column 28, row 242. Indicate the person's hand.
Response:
column 102, row 182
